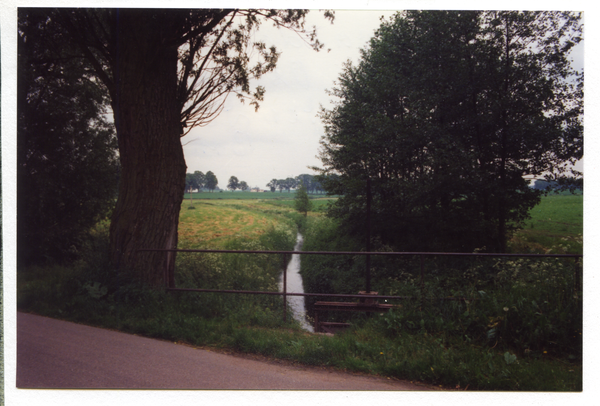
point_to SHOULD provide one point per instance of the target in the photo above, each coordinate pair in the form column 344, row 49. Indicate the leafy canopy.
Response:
column 66, row 149
column 216, row 51
column 446, row 113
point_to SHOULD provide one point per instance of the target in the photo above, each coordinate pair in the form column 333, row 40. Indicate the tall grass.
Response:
column 524, row 304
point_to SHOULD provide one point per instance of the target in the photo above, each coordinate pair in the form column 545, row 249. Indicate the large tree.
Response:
column 233, row 183
column 66, row 149
column 166, row 71
column 446, row 113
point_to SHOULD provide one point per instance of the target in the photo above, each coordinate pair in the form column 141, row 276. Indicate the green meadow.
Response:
column 556, row 226
column 242, row 195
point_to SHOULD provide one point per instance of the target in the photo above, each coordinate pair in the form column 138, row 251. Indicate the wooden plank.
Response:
column 352, row 306
column 346, row 307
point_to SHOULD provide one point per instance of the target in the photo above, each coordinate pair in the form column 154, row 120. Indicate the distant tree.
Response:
column 200, row 179
column 190, row 185
column 211, row 181
column 233, row 183
column 193, row 181
column 306, row 180
column 190, row 182
column 316, row 186
column 289, row 183
column 244, row 186
column 302, row 202
column 281, row 184
column 540, row 184
column 272, row 185
column 570, row 183
column 567, row 183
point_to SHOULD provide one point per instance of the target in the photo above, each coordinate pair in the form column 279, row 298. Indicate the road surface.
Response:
column 58, row 354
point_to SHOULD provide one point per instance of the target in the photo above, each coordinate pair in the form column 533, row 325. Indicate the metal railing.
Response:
column 285, row 254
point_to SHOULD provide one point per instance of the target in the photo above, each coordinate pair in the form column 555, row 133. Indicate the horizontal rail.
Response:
column 340, row 295
column 464, row 254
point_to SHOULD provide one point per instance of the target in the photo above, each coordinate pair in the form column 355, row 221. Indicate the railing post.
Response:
column 422, row 279
column 578, row 278
column 284, row 288
column 368, row 262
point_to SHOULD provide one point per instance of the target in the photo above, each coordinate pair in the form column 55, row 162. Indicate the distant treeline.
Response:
column 310, row 182
column 569, row 183
column 201, row 181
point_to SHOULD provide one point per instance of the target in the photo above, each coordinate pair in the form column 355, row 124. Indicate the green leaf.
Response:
column 509, row 358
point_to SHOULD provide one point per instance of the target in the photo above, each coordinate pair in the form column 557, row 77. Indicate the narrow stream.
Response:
column 294, row 285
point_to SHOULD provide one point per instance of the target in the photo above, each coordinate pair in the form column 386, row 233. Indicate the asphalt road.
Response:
column 58, row 354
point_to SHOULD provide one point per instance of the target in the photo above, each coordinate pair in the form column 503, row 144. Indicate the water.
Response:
column 294, row 285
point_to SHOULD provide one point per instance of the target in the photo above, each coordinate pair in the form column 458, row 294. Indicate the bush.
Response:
column 523, row 305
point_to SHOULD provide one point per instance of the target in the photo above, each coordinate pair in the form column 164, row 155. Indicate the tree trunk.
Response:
column 147, row 118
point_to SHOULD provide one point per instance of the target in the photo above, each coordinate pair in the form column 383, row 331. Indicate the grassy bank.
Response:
column 470, row 346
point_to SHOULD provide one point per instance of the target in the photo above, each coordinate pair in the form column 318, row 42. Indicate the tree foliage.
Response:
column 165, row 71
column 445, row 113
column 211, row 181
column 289, row 183
column 233, row 183
column 194, row 180
column 66, row 149
column 301, row 201
column 272, row 185
column 310, row 182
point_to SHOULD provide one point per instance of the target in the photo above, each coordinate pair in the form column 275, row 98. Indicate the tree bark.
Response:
column 147, row 118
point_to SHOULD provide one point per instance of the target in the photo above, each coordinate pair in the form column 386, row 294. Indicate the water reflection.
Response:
column 294, row 285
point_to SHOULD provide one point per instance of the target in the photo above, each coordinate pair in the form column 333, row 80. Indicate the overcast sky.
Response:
column 282, row 139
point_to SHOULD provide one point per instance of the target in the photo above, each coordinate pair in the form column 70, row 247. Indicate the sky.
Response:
column 281, row 140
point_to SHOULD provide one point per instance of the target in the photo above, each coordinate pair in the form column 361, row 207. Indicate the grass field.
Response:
column 212, row 223
column 240, row 195
column 556, row 224
column 215, row 221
